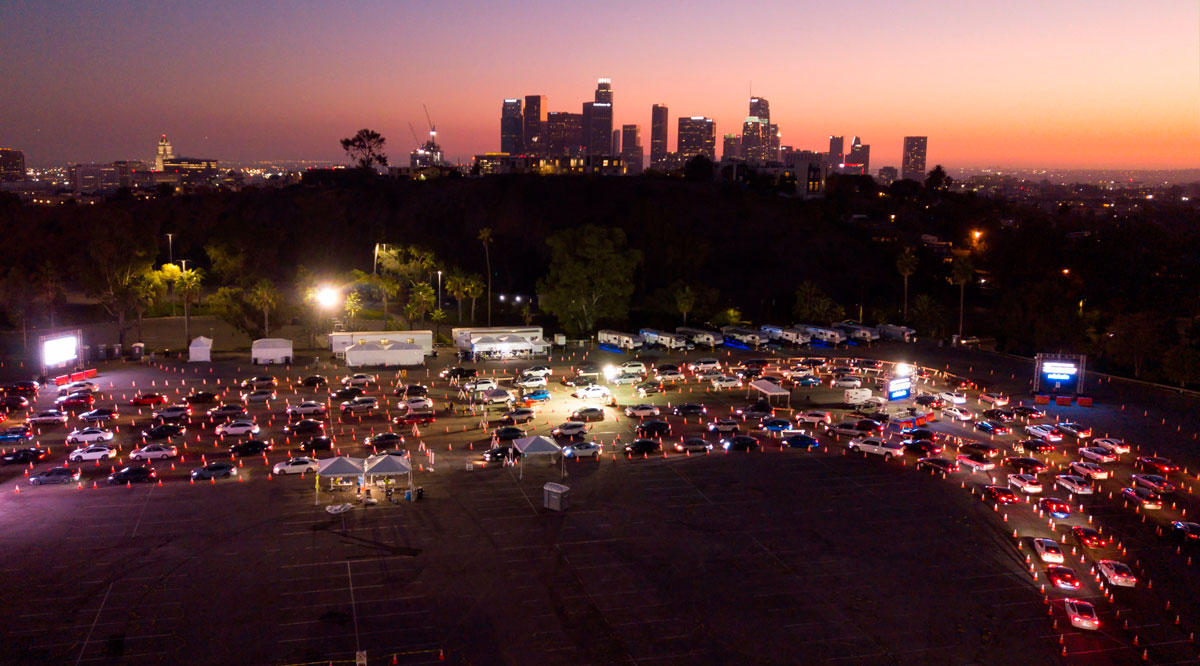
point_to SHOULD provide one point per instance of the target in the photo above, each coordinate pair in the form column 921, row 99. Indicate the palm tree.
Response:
column 685, row 301
column 473, row 289
column 188, row 288
column 147, row 289
column 456, row 286
column 353, row 305
column 49, row 286
column 385, row 284
column 961, row 272
column 927, row 314
column 906, row 263
column 264, row 296
column 485, row 237
column 421, row 298
column 437, row 316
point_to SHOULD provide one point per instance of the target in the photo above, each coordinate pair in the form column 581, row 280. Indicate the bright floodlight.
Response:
column 327, row 297
column 903, row 370
column 610, row 372
column 57, row 351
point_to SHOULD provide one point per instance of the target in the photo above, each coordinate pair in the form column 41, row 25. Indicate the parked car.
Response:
column 582, row 450
column 1048, row 550
column 237, row 428
column 1097, row 454
column 250, row 447
column 164, row 431
column 54, row 475
column 957, row 413
column 261, row 381
column 641, row 410
column 1088, row 470
column 938, row 464
column 307, row 408
column 227, row 411
column 17, row 433
column 148, row 400
column 154, row 452
column 1145, row 498
column 994, row 399
column 89, row 435
column 518, row 415
column 1073, row 484
column 304, row 427
column 588, row 414
column 215, row 470
column 1026, row 483
column 1154, row 482
column 23, row 456
column 93, row 452
column 1055, row 507
column 132, row 474
column 360, row 405
column 740, row 443
column 1081, row 614
column 992, row 428
column 570, row 429
column 295, row 466
column 1116, row 573
column 1156, row 464
column 48, row 417
column 654, row 429
column 692, row 445
column 591, row 391
column 642, row 446
column 975, row 462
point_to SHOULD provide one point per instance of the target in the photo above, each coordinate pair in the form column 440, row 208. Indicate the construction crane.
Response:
column 416, row 141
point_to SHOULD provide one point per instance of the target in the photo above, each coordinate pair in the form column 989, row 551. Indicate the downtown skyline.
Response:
column 1013, row 86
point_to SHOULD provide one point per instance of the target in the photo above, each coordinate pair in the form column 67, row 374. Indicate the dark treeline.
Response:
column 1127, row 292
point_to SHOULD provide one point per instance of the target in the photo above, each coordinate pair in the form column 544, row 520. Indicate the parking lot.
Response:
column 771, row 556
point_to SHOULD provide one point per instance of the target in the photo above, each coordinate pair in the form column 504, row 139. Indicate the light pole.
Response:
column 439, row 301
column 170, row 248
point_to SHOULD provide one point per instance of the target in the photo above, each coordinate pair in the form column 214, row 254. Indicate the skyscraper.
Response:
column 697, row 136
column 658, row 135
column 512, row 127
column 12, row 165
column 773, row 138
column 598, row 120
column 760, row 108
column 564, row 133
column 859, row 159
column 837, row 152
column 535, row 124
column 731, row 147
column 164, row 153
column 754, row 139
column 912, row 166
column 631, row 149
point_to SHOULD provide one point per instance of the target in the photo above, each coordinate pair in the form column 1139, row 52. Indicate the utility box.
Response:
column 137, row 351
column 554, row 496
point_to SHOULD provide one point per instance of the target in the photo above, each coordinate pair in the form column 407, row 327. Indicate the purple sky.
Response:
column 1023, row 83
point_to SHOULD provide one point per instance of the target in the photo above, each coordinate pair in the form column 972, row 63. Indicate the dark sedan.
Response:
column 215, row 470
column 136, row 474
column 313, row 381
column 317, row 444
column 498, row 453
column 799, row 441
column 250, row 447
column 509, row 433
column 13, row 403
column 54, row 475
column 384, row 440
column 654, row 429
column 201, row 398
column 164, row 431
column 740, row 443
column 304, row 427
column 23, row 456
column 690, row 409
column 99, row 415
column 642, row 446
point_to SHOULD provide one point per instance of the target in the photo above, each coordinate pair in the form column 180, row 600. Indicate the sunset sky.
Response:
column 1019, row 83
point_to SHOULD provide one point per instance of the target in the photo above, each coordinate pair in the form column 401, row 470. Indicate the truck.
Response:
column 856, row 397
column 894, row 332
column 619, row 339
column 667, row 339
column 700, row 336
column 857, row 332
column 744, row 336
column 823, row 334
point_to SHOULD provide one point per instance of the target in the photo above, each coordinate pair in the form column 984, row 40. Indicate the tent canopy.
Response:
column 271, row 343
column 200, row 349
column 201, row 342
column 538, row 445
column 387, row 465
column 769, row 389
column 340, row 466
column 365, row 346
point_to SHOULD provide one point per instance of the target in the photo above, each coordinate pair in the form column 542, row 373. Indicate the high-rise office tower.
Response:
column 658, row 135
column 164, row 153
column 837, row 152
column 535, row 125
column 512, row 127
column 913, row 165
column 859, row 159
column 564, row 133
column 731, row 147
column 887, row 175
column 12, row 165
column 631, row 149
column 598, row 120
column 754, row 140
column 616, row 142
column 697, row 135
column 773, row 138
column 760, row 108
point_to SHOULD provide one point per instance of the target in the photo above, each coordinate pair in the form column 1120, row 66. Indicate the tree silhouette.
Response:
column 148, row 288
column 456, row 286
column 365, row 149
column 961, row 272
column 188, row 288
column 699, row 169
column 353, row 306
column 928, row 315
column 421, row 299
column 685, row 301
column 813, row 305
column 937, row 179
column 906, row 264
column 485, row 237
column 16, row 294
column 590, row 277
column 264, row 297
column 49, row 284
column 473, row 289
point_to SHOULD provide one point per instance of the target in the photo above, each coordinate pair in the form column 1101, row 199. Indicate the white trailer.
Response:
column 795, row 336
column 829, row 336
column 857, row 332
column 339, row 341
column 667, row 339
column 619, row 339
column 701, row 336
column 744, row 335
column 894, row 332
column 772, row 331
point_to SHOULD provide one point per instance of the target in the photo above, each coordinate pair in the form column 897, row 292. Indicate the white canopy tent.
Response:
column 388, row 465
column 339, row 467
column 271, row 350
column 770, row 390
column 375, row 353
column 200, row 350
column 503, row 345
column 538, row 445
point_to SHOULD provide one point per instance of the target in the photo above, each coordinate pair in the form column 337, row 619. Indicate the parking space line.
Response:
column 83, row 649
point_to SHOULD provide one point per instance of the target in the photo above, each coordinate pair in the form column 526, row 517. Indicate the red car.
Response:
column 1062, row 577
column 1000, row 494
column 75, row 400
column 148, row 400
column 1156, row 463
column 414, row 419
column 14, row 402
column 1055, row 507
column 1089, row 537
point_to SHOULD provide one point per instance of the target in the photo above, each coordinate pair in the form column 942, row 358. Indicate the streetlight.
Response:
column 183, row 264
column 501, row 298
column 327, row 297
column 517, row 299
column 170, row 248
column 439, row 303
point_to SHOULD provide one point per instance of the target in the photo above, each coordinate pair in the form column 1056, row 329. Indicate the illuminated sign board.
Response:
column 1059, row 371
column 60, row 350
column 899, row 388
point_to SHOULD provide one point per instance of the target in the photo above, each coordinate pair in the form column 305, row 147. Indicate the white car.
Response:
column 48, row 417
column 1073, row 484
column 361, row 404
column 725, row 381
column 538, row 371
column 237, row 428
column 1048, row 550
column 1081, row 614
column 814, row 417
column 1155, row 482
column 591, row 391
column 723, row 426
column 359, row 379
column 877, row 446
column 633, row 367
column 1046, row 432
column 1097, row 454
column 994, row 399
column 641, row 410
column 847, row 382
column 953, row 397
column 154, row 452
column 519, row 415
column 670, row 376
column 705, row 365
column 89, row 435
column 481, row 384
column 958, row 414
column 626, row 378
column 1088, row 470
column 530, row 381
column 94, row 452
column 80, row 386
column 582, row 450
column 260, row 395
column 570, row 429
column 1112, row 444
column 307, row 408
column 1026, row 483
column 416, row 404
column 979, row 464
column 1116, row 573
column 708, row 375
column 294, row 466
